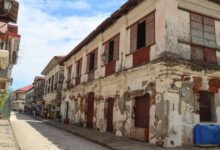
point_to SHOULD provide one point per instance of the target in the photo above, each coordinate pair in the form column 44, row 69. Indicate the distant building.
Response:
column 18, row 98
column 54, row 76
column 29, row 95
column 38, row 87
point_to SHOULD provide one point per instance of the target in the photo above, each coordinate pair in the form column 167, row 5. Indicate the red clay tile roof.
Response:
column 129, row 5
column 24, row 89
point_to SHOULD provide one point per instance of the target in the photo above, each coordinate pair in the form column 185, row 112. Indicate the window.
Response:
column 69, row 71
column 206, row 105
column 112, row 54
column 203, row 39
column 111, row 51
column 92, row 61
column 78, row 71
column 141, row 35
column 92, row 58
column 78, row 67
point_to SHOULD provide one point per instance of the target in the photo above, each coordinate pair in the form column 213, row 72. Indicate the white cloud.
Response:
column 43, row 36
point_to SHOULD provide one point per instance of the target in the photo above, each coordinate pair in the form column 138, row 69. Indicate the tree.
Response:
column 3, row 97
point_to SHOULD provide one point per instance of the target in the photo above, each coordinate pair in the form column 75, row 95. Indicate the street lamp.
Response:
column 5, row 6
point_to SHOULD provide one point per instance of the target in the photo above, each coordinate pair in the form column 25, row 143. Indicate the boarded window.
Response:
column 203, row 31
column 202, row 54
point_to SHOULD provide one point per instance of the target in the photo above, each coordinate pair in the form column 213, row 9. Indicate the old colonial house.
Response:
column 9, row 41
column 19, row 97
column 151, row 71
column 54, row 74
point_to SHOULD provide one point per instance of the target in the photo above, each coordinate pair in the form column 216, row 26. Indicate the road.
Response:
column 32, row 134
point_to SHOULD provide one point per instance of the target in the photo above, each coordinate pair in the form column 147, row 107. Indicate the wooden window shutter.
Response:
column 210, row 55
column 116, row 47
column 106, row 52
column 197, row 36
column 150, row 29
column 88, row 60
column 133, row 38
column 197, row 53
column 80, row 67
column 96, row 59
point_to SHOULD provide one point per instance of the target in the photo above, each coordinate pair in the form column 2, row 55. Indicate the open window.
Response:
column 141, row 34
column 78, row 71
column 111, row 51
column 92, row 59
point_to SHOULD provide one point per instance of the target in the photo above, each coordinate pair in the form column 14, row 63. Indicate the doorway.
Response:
column 110, row 103
column 90, row 111
column 142, row 114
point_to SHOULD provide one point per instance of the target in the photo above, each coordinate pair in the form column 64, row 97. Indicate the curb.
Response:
column 14, row 137
column 77, row 134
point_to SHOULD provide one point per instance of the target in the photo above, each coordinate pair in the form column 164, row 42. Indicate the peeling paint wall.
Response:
column 173, row 87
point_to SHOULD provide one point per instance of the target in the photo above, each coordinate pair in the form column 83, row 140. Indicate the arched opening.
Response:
column 90, row 111
column 110, row 104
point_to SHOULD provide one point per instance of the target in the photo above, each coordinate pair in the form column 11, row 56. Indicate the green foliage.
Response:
column 3, row 97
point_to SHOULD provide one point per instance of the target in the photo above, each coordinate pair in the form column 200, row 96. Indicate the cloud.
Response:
column 44, row 35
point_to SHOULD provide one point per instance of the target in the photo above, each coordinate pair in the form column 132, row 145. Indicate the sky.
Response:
column 54, row 27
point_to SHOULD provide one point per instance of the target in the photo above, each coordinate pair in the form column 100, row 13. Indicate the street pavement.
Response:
column 7, row 140
column 33, row 134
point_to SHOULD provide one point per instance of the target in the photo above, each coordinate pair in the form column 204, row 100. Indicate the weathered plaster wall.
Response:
column 174, row 106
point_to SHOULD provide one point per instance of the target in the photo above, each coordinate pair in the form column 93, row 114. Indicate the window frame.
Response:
column 203, row 46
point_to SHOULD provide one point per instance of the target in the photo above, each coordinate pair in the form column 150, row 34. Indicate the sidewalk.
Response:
column 109, row 140
column 7, row 140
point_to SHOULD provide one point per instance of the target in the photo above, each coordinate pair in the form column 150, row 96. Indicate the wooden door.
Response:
column 205, row 105
column 90, row 111
column 142, row 111
column 110, row 115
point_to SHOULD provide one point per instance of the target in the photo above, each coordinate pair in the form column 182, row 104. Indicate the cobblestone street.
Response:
column 35, row 135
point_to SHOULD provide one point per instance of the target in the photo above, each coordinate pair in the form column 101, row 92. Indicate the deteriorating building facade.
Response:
column 151, row 72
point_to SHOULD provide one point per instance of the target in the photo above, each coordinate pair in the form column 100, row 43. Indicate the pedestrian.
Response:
column 34, row 112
